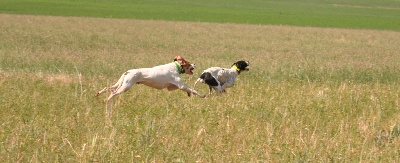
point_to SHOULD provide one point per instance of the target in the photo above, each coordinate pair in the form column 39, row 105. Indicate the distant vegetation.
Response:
column 359, row 14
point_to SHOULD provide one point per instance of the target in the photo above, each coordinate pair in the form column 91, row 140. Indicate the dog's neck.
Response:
column 236, row 68
column 179, row 67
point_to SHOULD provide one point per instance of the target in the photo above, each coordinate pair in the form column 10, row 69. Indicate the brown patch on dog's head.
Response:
column 181, row 60
column 185, row 64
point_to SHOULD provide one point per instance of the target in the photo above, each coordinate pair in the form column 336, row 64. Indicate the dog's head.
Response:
column 241, row 66
column 185, row 65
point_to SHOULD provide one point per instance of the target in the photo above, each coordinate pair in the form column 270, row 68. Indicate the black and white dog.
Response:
column 221, row 78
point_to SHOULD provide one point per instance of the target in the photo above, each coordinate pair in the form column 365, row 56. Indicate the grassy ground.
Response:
column 361, row 14
column 311, row 94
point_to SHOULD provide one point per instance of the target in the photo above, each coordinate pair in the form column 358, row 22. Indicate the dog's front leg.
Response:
column 189, row 91
column 228, row 84
column 218, row 89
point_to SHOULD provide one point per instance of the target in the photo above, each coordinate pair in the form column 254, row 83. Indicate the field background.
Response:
column 360, row 14
column 312, row 94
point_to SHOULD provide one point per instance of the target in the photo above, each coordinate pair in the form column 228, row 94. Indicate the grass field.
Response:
column 311, row 95
column 360, row 14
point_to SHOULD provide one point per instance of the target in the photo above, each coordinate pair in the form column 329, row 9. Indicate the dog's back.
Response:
column 221, row 74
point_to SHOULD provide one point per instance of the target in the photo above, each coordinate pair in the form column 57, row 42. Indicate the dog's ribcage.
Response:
column 223, row 75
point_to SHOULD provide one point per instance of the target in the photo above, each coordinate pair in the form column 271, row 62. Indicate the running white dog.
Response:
column 221, row 78
column 159, row 77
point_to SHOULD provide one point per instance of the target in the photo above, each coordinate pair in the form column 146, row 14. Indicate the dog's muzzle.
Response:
column 192, row 67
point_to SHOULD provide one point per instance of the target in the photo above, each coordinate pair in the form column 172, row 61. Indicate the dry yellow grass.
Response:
column 311, row 94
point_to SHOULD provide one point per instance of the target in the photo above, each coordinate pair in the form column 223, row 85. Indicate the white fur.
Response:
column 158, row 77
column 225, row 78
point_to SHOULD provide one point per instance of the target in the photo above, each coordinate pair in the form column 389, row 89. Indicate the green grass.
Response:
column 369, row 14
column 312, row 94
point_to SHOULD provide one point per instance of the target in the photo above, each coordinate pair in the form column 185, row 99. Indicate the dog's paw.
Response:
column 189, row 94
column 96, row 94
column 202, row 96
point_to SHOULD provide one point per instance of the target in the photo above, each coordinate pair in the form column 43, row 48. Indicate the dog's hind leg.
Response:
column 123, row 85
column 210, row 90
column 112, row 88
column 105, row 89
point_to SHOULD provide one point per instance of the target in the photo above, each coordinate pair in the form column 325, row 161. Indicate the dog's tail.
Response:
column 200, row 79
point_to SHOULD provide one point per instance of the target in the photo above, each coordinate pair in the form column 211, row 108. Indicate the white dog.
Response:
column 221, row 78
column 159, row 77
